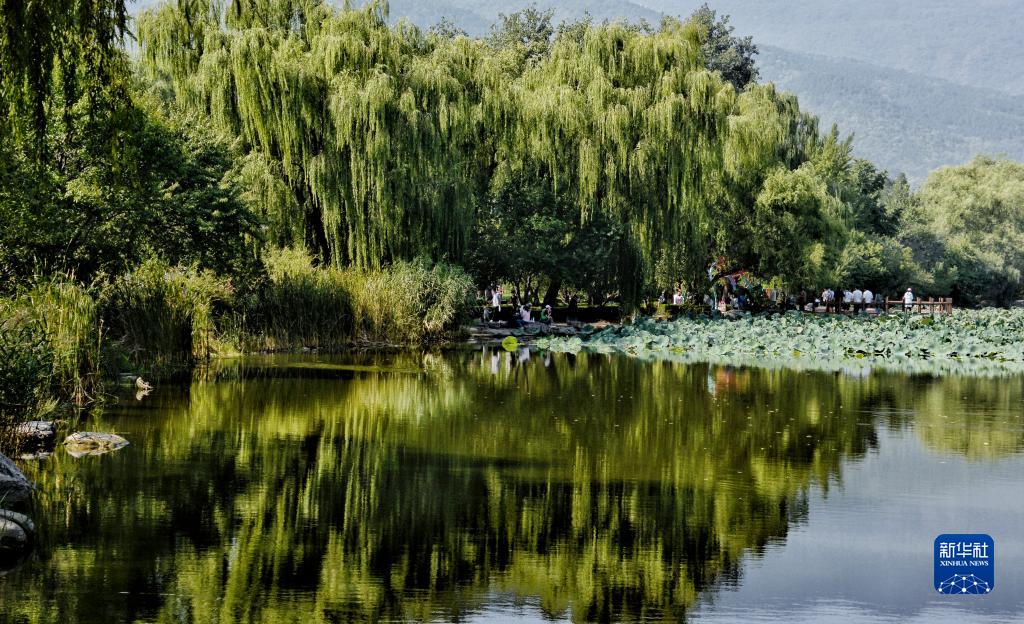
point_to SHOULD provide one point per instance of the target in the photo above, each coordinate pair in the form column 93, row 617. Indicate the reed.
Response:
column 50, row 345
column 297, row 305
column 409, row 302
column 163, row 318
column 303, row 305
column 70, row 321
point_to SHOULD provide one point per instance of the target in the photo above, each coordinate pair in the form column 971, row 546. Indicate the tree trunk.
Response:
column 551, row 294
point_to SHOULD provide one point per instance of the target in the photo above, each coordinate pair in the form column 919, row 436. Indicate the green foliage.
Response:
column 163, row 317
column 299, row 305
column 732, row 57
column 52, row 54
column 50, row 349
column 410, row 302
column 968, row 228
column 303, row 305
column 25, row 366
column 791, row 222
column 74, row 333
column 168, row 190
column 387, row 139
column 530, row 237
column 528, row 32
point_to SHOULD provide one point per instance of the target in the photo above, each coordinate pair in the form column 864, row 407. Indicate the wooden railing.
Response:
column 942, row 305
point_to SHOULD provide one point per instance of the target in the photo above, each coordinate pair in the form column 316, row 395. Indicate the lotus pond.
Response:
column 986, row 342
column 492, row 486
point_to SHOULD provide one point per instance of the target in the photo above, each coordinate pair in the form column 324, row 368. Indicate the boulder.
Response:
column 92, row 443
column 36, row 433
column 16, row 536
column 14, row 486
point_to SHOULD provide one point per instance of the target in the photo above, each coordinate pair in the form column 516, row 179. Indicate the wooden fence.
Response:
column 942, row 305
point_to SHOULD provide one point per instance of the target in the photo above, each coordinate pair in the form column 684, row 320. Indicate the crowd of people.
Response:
column 856, row 301
column 522, row 314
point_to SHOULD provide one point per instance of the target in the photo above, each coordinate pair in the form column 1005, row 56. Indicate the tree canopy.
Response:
column 607, row 158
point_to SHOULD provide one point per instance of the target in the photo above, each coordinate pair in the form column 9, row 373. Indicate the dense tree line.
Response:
column 611, row 159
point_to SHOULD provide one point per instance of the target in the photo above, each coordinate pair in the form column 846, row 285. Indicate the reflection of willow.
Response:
column 412, row 485
column 975, row 417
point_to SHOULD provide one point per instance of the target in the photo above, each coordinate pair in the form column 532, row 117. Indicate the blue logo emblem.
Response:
column 965, row 564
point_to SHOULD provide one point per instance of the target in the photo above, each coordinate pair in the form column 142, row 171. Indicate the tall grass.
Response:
column 162, row 318
column 409, row 302
column 73, row 328
column 50, row 345
column 302, row 305
column 298, row 305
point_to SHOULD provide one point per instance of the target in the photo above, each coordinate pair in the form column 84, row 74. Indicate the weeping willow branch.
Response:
column 372, row 143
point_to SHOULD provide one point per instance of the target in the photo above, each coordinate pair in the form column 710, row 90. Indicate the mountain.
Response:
column 971, row 42
column 902, row 121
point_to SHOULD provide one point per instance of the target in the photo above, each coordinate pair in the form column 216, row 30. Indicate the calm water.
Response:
column 485, row 486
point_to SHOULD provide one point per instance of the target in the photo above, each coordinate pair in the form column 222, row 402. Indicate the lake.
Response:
column 478, row 485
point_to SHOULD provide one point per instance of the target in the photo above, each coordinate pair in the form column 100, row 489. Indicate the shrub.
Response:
column 297, row 305
column 163, row 317
column 410, row 301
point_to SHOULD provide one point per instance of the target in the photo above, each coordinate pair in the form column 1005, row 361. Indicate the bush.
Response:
column 162, row 317
column 410, row 301
column 297, row 305
column 325, row 307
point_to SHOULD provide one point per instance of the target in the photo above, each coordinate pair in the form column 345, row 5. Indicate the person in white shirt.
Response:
column 869, row 298
column 496, row 299
column 908, row 300
column 525, row 313
column 858, row 299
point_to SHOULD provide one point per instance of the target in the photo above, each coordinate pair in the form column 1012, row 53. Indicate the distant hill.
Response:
column 972, row 42
column 902, row 121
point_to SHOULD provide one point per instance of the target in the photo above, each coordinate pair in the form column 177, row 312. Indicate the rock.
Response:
column 92, row 443
column 14, row 486
column 16, row 536
column 36, row 432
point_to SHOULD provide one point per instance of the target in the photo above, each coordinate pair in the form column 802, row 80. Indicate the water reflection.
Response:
column 420, row 486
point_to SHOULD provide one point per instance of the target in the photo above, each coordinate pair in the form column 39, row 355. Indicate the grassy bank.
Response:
column 59, row 339
column 969, row 342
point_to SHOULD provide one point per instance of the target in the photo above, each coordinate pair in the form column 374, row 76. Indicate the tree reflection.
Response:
column 414, row 486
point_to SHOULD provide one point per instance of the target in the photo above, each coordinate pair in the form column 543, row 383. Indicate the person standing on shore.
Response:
column 858, row 299
column 908, row 300
column 869, row 298
column 496, row 299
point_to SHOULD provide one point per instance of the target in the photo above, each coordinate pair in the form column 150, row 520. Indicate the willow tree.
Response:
column 372, row 130
column 56, row 53
column 368, row 143
column 628, row 123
